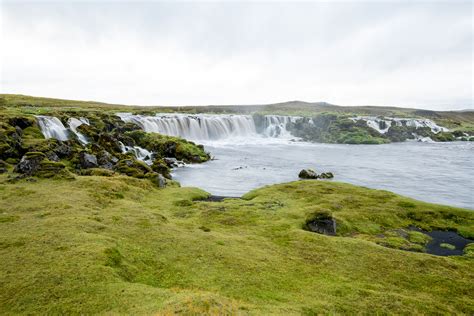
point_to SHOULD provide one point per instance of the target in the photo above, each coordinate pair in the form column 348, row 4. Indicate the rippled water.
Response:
column 439, row 172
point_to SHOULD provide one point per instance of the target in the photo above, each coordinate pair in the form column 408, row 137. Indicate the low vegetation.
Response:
column 117, row 244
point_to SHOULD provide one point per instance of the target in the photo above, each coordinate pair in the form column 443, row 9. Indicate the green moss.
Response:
column 101, row 172
column 168, row 146
column 447, row 246
column 133, row 168
column 418, row 237
column 106, row 241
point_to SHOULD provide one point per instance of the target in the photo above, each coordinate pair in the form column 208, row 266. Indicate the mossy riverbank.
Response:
column 120, row 245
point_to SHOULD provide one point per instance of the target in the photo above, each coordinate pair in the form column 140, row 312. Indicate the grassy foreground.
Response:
column 120, row 245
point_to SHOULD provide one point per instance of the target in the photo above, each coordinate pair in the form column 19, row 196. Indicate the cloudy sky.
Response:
column 401, row 53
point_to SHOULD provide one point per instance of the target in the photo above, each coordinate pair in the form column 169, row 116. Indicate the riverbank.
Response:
column 121, row 245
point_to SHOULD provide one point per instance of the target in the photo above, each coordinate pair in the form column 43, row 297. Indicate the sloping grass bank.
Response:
column 120, row 245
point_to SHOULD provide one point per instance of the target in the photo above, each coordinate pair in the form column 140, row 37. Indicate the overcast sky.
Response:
column 402, row 53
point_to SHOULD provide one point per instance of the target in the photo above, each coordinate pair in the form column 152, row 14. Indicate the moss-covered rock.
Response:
column 168, row 146
column 133, row 168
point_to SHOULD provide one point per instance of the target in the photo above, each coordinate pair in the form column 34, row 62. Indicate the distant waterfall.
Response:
column 210, row 127
column 383, row 124
column 51, row 127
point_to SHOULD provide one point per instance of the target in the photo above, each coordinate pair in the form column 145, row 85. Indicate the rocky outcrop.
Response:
column 30, row 163
column 37, row 164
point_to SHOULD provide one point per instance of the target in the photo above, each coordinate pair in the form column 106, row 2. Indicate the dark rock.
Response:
column 106, row 160
column 173, row 162
column 51, row 155
column 326, row 175
column 30, row 163
column 170, row 149
column 308, row 174
column 21, row 122
column 87, row 160
column 322, row 224
column 3, row 166
column 63, row 150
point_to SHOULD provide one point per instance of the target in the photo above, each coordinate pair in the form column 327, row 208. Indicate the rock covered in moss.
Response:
column 37, row 164
column 160, row 166
column 158, row 179
column 30, row 163
column 133, row 168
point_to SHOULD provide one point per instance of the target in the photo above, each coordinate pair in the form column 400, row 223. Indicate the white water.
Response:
column 211, row 127
column 140, row 153
column 239, row 128
column 52, row 127
column 376, row 122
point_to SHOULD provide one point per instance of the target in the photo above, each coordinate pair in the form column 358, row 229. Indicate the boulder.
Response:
column 326, row 175
column 87, row 160
column 157, row 179
column 173, row 162
column 63, row 150
column 106, row 160
column 322, row 224
column 30, row 163
column 308, row 174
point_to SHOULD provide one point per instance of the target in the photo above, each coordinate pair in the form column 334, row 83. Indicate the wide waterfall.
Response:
column 52, row 127
column 212, row 127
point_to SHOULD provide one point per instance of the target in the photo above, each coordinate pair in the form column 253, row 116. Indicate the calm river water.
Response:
column 433, row 172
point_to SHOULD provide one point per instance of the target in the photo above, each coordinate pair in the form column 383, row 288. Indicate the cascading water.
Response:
column 139, row 153
column 74, row 123
column 212, row 127
column 382, row 125
column 52, row 127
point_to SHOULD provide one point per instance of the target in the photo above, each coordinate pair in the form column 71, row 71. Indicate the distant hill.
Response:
column 448, row 118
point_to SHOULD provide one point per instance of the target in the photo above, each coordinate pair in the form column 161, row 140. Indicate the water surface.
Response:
column 433, row 172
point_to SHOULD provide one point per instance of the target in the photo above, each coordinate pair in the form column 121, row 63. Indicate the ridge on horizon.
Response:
column 276, row 104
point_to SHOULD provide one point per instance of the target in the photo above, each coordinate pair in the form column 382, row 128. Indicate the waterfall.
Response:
column 275, row 126
column 382, row 125
column 74, row 123
column 139, row 153
column 51, row 127
column 211, row 127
